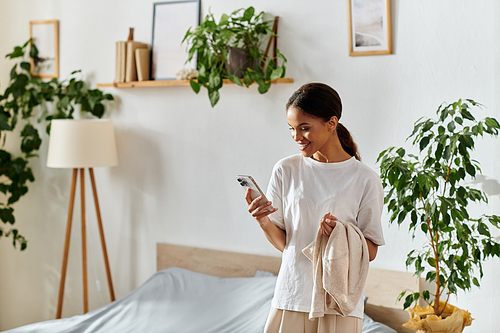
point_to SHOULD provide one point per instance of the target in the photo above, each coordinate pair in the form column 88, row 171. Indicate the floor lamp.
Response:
column 80, row 145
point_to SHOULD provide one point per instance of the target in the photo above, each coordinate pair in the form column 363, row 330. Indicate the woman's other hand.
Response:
column 327, row 223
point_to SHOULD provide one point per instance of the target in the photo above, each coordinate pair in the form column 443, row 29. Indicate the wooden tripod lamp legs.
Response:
column 101, row 233
column 84, row 241
column 84, row 244
column 66, row 244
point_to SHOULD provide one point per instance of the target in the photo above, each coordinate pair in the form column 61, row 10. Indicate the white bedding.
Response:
column 177, row 300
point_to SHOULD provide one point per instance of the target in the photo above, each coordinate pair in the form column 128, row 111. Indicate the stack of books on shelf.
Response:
column 132, row 61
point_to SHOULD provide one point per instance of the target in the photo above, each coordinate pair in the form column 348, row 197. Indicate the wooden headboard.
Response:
column 382, row 289
column 382, row 286
column 213, row 262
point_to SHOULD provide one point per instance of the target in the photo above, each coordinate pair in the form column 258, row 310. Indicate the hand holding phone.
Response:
column 247, row 182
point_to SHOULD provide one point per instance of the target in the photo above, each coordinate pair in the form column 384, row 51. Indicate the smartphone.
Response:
column 248, row 182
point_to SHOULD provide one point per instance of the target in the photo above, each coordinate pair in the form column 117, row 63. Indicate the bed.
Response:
column 208, row 291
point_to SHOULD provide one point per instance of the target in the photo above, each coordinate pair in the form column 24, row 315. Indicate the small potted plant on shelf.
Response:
column 432, row 192
column 231, row 49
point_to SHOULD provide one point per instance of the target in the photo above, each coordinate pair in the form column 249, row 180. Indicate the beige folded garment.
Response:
column 340, row 264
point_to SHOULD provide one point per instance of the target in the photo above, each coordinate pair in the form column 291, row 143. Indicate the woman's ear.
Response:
column 333, row 122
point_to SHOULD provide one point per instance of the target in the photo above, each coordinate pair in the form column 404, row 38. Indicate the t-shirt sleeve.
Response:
column 370, row 211
column 275, row 195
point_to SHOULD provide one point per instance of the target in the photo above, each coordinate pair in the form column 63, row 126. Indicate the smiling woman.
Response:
column 324, row 185
column 316, row 110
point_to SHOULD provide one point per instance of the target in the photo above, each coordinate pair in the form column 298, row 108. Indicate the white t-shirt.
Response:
column 304, row 190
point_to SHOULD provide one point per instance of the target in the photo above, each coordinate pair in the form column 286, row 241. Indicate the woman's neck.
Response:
column 334, row 153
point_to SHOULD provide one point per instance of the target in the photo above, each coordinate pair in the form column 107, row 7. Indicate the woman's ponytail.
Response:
column 347, row 142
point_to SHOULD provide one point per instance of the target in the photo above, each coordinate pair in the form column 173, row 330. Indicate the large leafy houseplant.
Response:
column 432, row 192
column 25, row 101
column 212, row 41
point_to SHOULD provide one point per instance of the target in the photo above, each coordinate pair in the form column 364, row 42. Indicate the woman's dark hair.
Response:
column 322, row 101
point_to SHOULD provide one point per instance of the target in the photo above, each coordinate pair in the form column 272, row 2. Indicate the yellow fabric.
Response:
column 424, row 319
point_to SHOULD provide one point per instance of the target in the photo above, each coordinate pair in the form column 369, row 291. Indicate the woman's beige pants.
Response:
column 284, row 321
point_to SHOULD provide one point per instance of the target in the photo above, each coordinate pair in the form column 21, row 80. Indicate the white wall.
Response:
column 178, row 157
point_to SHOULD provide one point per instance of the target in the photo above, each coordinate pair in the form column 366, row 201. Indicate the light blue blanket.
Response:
column 177, row 300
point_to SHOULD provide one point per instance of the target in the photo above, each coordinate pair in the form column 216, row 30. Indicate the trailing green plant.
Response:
column 210, row 42
column 27, row 100
column 432, row 192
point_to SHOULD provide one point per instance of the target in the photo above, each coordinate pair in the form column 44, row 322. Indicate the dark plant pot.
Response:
column 239, row 60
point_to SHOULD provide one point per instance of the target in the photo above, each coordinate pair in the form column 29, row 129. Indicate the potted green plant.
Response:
column 241, row 33
column 431, row 192
column 25, row 101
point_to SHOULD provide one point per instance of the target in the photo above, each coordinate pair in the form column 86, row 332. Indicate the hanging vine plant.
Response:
column 27, row 100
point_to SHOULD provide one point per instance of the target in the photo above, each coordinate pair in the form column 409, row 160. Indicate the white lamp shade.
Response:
column 81, row 144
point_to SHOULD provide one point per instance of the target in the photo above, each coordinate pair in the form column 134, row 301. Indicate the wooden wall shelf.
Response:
column 167, row 83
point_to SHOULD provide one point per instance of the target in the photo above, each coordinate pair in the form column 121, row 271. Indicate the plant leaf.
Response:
column 424, row 142
column 26, row 66
column 13, row 73
column 235, row 79
column 33, row 51
column 214, row 96
column 248, row 13
column 264, row 87
column 195, row 86
column 277, row 73
column 224, row 20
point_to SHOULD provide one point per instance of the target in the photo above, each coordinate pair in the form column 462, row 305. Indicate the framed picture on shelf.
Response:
column 45, row 36
column 370, row 30
column 171, row 21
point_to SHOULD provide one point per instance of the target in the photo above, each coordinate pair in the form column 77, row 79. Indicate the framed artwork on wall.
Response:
column 171, row 21
column 45, row 36
column 370, row 30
